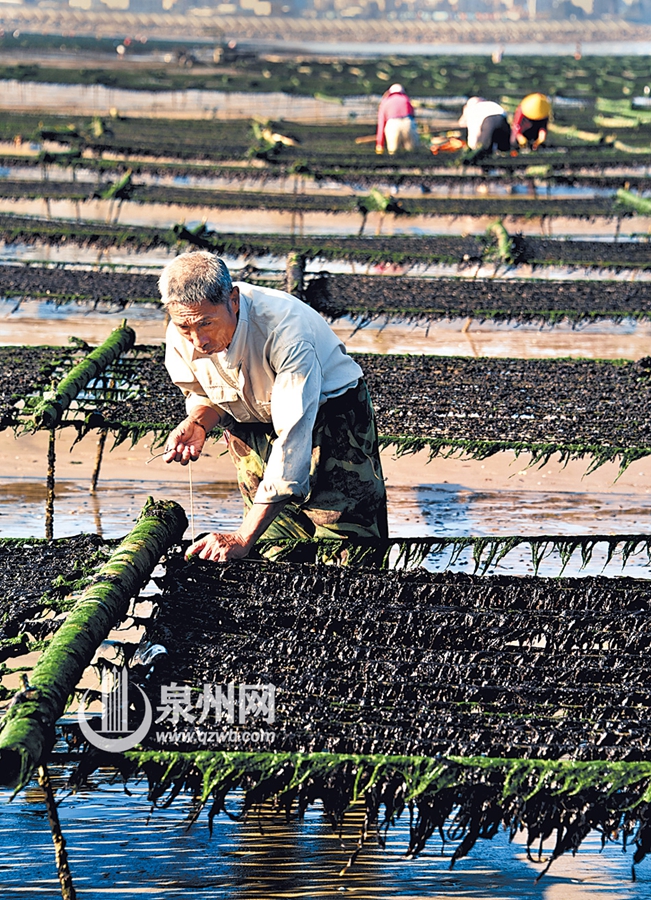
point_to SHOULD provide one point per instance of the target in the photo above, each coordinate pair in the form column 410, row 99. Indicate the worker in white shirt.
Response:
column 488, row 128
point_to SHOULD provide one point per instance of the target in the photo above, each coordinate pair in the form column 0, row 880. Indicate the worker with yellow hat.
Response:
column 529, row 128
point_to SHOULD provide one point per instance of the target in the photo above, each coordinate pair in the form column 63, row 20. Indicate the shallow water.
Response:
column 39, row 322
column 116, row 849
column 441, row 510
column 256, row 221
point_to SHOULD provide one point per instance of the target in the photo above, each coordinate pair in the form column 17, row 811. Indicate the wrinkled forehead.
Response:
column 182, row 314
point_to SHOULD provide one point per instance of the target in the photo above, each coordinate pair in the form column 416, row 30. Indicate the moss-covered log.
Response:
column 48, row 412
column 28, row 728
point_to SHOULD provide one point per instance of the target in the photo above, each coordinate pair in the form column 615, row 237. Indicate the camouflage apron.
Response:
column 347, row 496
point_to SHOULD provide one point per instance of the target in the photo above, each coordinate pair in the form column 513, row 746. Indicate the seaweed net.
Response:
column 543, row 205
column 124, row 398
column 576, row 408
column 417, row 663
column 399, row 249
column 486, row 551
column 572, row 407
column 37, row 579
column 369, row 297
column 61, row 285
column 28, row 371
column 473, row 703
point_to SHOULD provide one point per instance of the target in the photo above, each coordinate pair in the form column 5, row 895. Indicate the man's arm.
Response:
column 381, row 122
column 236, row 545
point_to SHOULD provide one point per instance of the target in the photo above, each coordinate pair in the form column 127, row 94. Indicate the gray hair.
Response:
column 192, row 278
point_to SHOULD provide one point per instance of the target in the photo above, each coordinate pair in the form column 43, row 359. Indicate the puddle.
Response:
column 38, row 322
column 260, row 221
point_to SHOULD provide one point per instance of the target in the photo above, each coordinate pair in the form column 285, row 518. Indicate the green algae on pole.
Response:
column 49, row 411
column 28, row 727
column 505, row 250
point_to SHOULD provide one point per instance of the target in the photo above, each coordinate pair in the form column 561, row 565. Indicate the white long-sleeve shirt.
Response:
column 283, row 363
column 473, row 116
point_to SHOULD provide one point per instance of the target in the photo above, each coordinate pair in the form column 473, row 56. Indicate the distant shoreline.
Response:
column 342, row 36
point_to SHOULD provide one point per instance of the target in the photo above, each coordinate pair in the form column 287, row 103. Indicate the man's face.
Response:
column 209, row 327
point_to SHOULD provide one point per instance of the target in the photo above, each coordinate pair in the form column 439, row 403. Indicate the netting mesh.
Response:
column 418, row 663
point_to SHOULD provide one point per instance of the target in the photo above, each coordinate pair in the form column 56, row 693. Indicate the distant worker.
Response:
column 530, row 122
column 487, row 125
column 395, row 122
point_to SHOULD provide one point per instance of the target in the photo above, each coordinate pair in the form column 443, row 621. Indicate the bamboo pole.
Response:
column 48, row 412
column 60, row 855
column 49, row 499
column 27, row 733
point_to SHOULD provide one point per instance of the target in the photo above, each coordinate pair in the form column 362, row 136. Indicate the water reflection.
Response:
column 450, row 510
column 116, row 848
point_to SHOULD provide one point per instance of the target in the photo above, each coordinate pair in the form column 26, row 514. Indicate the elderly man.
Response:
column 294, row 407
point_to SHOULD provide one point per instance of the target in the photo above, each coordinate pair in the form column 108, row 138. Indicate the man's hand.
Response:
column 185, row 443
column 220, row 547
column 224, row 547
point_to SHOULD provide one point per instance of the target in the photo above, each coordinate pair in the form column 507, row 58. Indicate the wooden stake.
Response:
column 101, row 441
column 49, row 501
column 60, row 855
column 294, row 273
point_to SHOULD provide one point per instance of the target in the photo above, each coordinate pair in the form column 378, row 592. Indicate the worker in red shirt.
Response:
column 395, row 122
column 529, row 128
